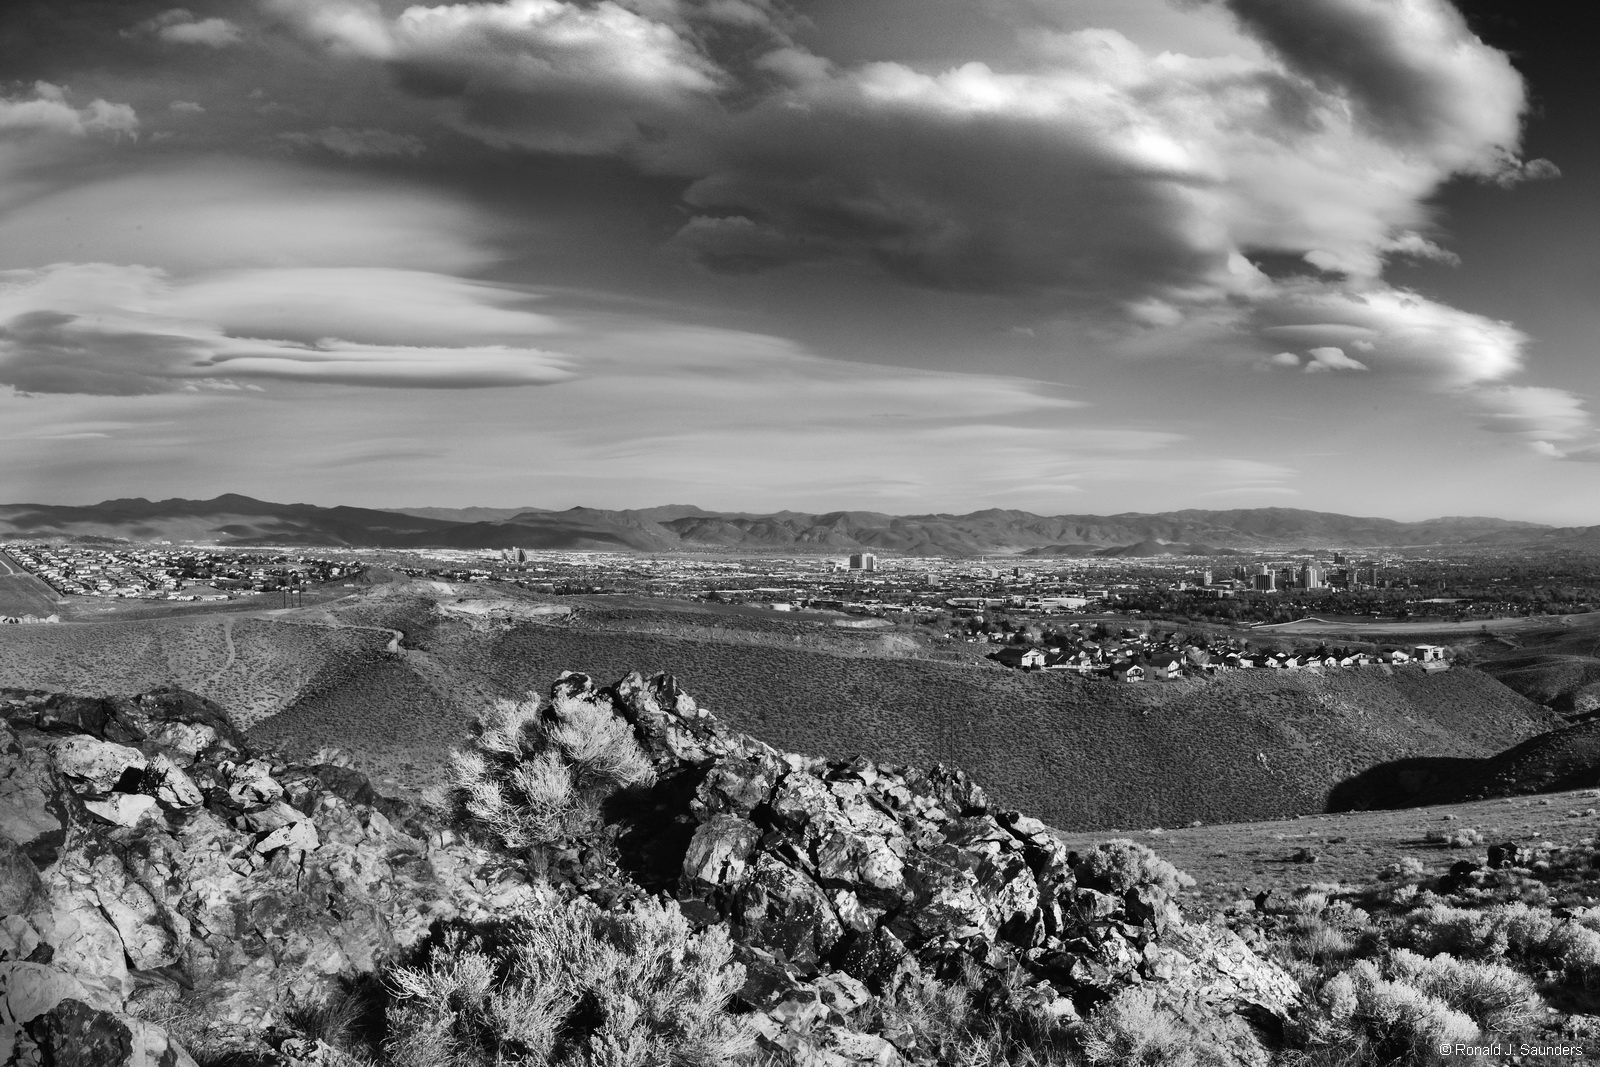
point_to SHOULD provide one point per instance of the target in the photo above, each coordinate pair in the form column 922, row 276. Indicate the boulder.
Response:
column 34, row 803
column 72, row 1034
column 125, row 809
column 719, row 854
column 97, row 767
column 20, row 887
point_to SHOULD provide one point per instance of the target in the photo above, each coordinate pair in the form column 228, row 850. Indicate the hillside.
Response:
column 1564, row 759
column 1084, row 755
column 1566, row 683
column 235, row 519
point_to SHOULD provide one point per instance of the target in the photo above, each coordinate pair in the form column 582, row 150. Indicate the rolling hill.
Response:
column 1084, row 755
column 242, row 520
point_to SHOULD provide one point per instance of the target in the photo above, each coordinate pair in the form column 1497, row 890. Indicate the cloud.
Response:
column 1131, row 188
column 212, row 214
column 657, row 410
column 47, row 111
column 1330, row 359
column 1541, row 415
column 179, row 26
column 357, row 144
column 1412, row 72
column 1281, row 359
column 1400, row 332
column 185, row 107
column 127, row 331
column 539, row 73
column 1534, row 170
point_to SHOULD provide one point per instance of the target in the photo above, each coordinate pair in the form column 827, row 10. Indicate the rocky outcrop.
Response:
column 148, row 855
column 841, row 878
column 150, row 860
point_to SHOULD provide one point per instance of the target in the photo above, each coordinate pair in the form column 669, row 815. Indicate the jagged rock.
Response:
column 1507, row 855
column 250, row 784
column 125, row 809
column 72, row 1034
column 94, row 766
column 174, row 788
column 33, row 805
column 260, row 885
column 719, row 854
column 20, row 887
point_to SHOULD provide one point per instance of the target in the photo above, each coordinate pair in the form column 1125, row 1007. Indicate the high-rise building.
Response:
column 863, row 561
column 1205, row 578
column 1311, row 577
column 1265, row 582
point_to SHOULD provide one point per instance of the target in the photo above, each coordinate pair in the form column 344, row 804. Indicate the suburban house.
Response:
column 1165, row 668
column 1022, row 658
column 1127, row 672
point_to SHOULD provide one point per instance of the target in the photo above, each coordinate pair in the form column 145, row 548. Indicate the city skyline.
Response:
column 1065, row 256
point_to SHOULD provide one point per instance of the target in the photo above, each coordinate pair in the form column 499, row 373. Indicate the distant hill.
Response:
column 242, row 520
column 1147, row 549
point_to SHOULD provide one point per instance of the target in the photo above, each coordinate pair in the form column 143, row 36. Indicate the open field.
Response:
column 1233, row 861
column 254, row 667
column 23, row 594
column 1376, row 629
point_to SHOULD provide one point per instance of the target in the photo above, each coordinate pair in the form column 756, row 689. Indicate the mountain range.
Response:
column 240, row 520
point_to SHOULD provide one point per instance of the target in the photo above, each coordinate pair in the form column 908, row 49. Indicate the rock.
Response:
column 1506, row 855
column 273, row 884
column 18, row 939
column 174, row 788
column 72, row 1034
column 296, row 835
column 20, row 887
column 84, row 944
column 183, row 741
column 251, row 783
column 125, row 809
column 153, row 713
column 142, row 923
column 95, row 766
column 33, row 804
column 271, row 817
column 719, row 854
column 28, row 990
column 841, row 993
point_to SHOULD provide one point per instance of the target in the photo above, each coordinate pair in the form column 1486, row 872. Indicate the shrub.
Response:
column 1493, row 994
column 536, row 774
column 1117, row 866
column 1134, row 1029
column 1464, row 838
column 571, row 984
column 968, row 1021
column 1361, row 1010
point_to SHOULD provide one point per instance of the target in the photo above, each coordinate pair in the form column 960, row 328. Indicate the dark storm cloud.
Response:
column 1413, row 70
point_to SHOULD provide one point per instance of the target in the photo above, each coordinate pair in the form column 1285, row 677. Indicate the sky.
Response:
column 1067, row 256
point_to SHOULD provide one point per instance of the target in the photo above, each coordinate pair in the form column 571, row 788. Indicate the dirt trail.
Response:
column 233, row 653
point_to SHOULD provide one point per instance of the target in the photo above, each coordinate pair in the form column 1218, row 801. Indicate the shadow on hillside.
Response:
column 1403, row 783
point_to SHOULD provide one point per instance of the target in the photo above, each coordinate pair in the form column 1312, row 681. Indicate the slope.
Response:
column 1084, row 755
